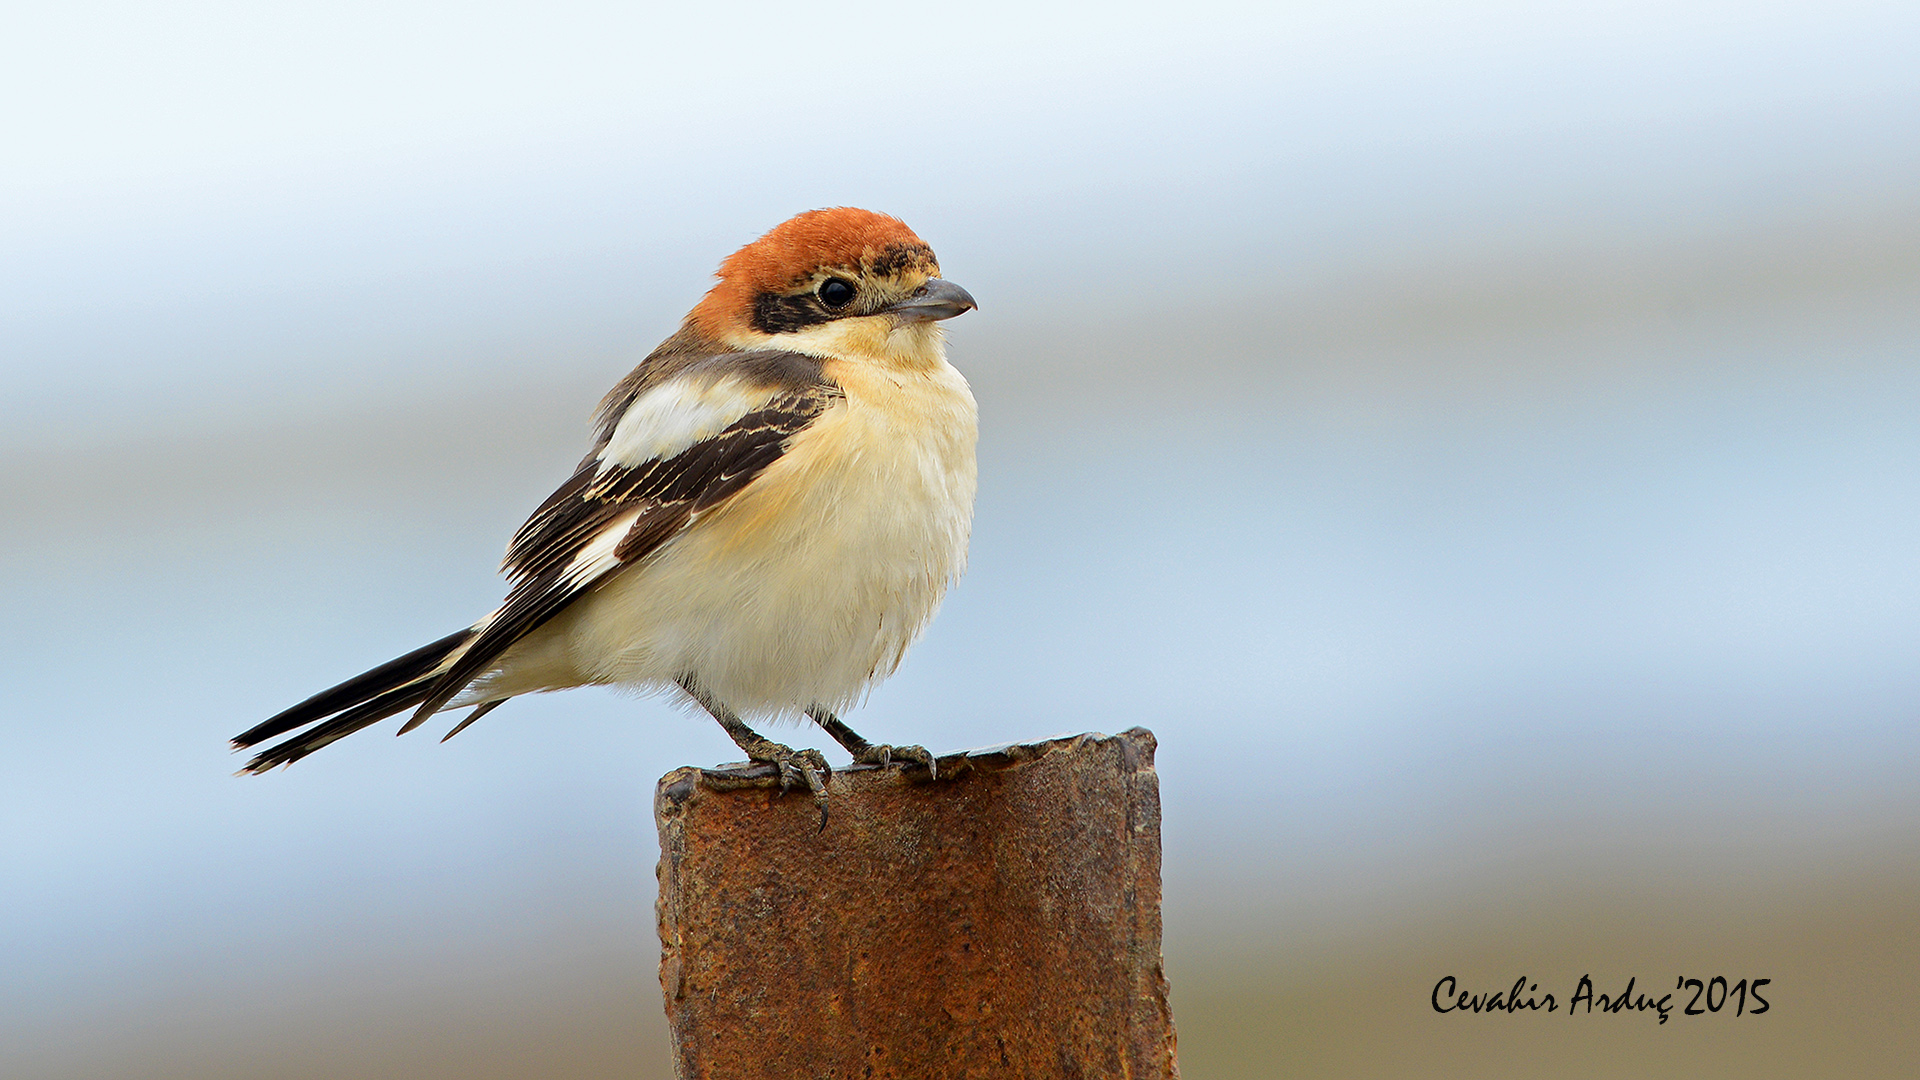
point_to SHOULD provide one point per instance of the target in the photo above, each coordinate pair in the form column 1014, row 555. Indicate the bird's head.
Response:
column 840, row 282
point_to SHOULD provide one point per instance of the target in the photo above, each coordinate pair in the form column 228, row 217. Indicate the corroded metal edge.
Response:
column 675, row 788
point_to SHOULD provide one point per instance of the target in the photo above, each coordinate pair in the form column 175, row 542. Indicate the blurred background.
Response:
column 1482, row 440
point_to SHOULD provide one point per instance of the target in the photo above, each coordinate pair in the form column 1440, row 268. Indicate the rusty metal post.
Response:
column 1003, row 921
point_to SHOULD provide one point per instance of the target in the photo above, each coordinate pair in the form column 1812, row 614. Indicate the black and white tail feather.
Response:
column 368, row 698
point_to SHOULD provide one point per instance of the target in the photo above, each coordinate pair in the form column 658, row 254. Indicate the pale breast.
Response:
column 812, row 582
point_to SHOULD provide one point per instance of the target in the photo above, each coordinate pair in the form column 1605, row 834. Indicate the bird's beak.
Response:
column 937, row 299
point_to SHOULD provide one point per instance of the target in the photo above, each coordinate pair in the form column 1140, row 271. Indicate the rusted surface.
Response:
column 1003, row 921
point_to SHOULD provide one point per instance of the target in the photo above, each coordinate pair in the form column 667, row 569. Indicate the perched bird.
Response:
column 775, row 502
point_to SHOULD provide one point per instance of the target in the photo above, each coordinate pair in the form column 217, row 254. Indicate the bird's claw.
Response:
column 799, row 768
column 883, row 755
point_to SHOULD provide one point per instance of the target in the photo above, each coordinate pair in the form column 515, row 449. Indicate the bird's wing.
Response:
column 677, row 449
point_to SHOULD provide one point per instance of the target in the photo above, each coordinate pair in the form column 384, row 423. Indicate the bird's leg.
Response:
column 867, row 753
column 796, row 766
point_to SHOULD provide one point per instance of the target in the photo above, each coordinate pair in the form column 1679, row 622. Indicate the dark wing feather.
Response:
column 666, row 493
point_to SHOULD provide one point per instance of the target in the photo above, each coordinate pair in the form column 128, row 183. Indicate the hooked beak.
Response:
column 937, row 299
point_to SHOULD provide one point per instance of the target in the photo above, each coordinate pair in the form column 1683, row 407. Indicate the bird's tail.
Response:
column 368, row 698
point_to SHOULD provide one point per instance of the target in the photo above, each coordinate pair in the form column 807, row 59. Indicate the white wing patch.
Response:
column 596, row 557
column 674, row 416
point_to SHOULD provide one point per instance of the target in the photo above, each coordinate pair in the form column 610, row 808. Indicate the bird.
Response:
column 775, row 502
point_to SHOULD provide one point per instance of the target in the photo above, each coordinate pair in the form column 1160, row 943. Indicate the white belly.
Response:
column 806, row 587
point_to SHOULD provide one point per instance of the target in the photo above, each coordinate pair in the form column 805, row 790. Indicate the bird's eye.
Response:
column 836, row 293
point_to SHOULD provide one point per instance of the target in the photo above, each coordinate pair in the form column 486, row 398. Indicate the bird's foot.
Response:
column 798, row 768
column 883, row 755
